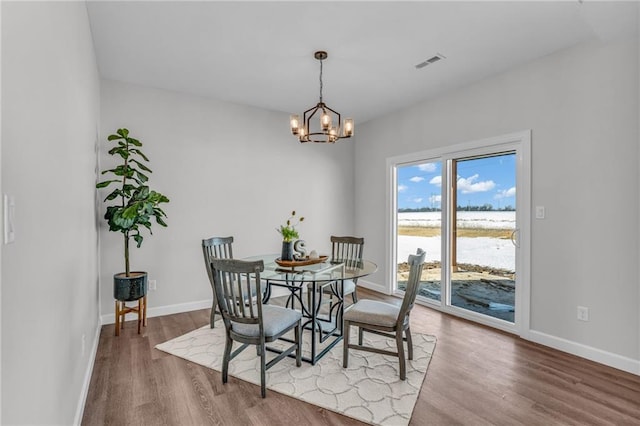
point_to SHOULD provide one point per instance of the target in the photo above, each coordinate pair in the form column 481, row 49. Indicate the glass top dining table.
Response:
column 325, row 326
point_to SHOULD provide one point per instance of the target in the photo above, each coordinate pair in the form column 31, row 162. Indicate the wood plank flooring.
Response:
column 478, row 376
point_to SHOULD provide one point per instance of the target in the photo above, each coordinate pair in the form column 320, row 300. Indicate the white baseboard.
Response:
column 373, row 286
column 87, row 377
column 159, row 311
column 598, row 355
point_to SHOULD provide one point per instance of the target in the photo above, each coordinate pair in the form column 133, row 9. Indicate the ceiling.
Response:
column 261, row 53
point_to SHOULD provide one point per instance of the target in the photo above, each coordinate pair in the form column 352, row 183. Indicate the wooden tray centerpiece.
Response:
column 304, row 262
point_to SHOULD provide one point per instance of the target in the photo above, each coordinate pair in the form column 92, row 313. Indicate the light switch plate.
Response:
column 539, row 212
column 9, row 218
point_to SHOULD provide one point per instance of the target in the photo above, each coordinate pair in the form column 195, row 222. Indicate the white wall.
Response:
column 638, row 35
column 228, row 170
column 2, row 214
column 50, row 112
column 582, row 107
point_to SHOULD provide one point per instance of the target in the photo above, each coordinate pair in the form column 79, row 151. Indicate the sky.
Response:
column 480, row 181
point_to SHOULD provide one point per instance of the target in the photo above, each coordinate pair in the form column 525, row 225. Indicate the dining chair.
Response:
column 385, row 319
column 220, row 248
column 247, row 320
column 349, row 251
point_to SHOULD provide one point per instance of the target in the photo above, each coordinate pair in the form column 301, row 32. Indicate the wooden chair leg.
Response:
column 213, row 312
column 226, row 358
column 345, row 344
column 400, row 345
column 263, row 371
column 298, row 335
column 407, row 333
column 117, row 318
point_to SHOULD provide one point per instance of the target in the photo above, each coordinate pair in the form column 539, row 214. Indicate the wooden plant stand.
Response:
column 122, row 309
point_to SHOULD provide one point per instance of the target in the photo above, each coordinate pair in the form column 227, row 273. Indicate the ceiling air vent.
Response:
column 430, row 61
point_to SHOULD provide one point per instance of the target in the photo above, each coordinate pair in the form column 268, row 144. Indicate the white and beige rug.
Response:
column 369, row 390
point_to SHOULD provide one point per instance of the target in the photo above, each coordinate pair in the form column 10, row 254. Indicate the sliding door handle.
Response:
column 515, row 238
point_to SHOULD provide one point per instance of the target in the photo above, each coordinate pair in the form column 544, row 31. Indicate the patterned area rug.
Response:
column 369, row 390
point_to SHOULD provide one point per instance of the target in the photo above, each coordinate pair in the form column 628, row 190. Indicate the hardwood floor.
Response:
column 478, row 376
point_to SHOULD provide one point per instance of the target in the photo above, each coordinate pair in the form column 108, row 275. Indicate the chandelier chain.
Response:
column 320, row 81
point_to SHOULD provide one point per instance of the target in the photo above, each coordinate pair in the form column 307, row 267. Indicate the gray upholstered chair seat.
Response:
column 349, row 286
column 373, row 312
column 276, row 320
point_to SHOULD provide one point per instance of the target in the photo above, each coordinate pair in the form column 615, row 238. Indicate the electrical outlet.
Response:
column 153, row 285
column 583, row 313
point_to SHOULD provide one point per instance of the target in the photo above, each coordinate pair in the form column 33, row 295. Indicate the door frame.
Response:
column 521, row 143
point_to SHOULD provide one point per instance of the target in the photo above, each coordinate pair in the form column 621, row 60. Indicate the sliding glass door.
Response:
column 483, row 225
column 463, row 208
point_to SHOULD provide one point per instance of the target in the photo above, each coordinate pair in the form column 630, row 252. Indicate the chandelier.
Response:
column 329, row 126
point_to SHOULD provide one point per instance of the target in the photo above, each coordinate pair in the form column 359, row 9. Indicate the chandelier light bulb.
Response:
column 348, row 127
column 325, row 121
column 333, row 134
column 295, row 124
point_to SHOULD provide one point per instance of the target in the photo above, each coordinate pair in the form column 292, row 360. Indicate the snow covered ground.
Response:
column 493, row 252
column 489, row 220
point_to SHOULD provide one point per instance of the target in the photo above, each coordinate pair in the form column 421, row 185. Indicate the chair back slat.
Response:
column 416, row 263
column 247, row 290
column 242, row 298
column 231, row 297
column 234, row 281
column 225, row 284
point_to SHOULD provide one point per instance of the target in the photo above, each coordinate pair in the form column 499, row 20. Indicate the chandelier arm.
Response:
column 318, row 106
column 307, row 115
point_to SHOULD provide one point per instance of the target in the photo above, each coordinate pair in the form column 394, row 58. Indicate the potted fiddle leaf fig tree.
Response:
column 134, row 206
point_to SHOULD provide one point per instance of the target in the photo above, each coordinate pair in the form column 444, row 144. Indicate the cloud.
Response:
column 436, row 180
column 416, row 179
column 505, row 193
column 427, row 167
column 402, row 188
column 417, row 200
column 469, row 186
column 435, row 199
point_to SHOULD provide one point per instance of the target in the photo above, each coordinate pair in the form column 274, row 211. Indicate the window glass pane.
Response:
column 419, row 221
